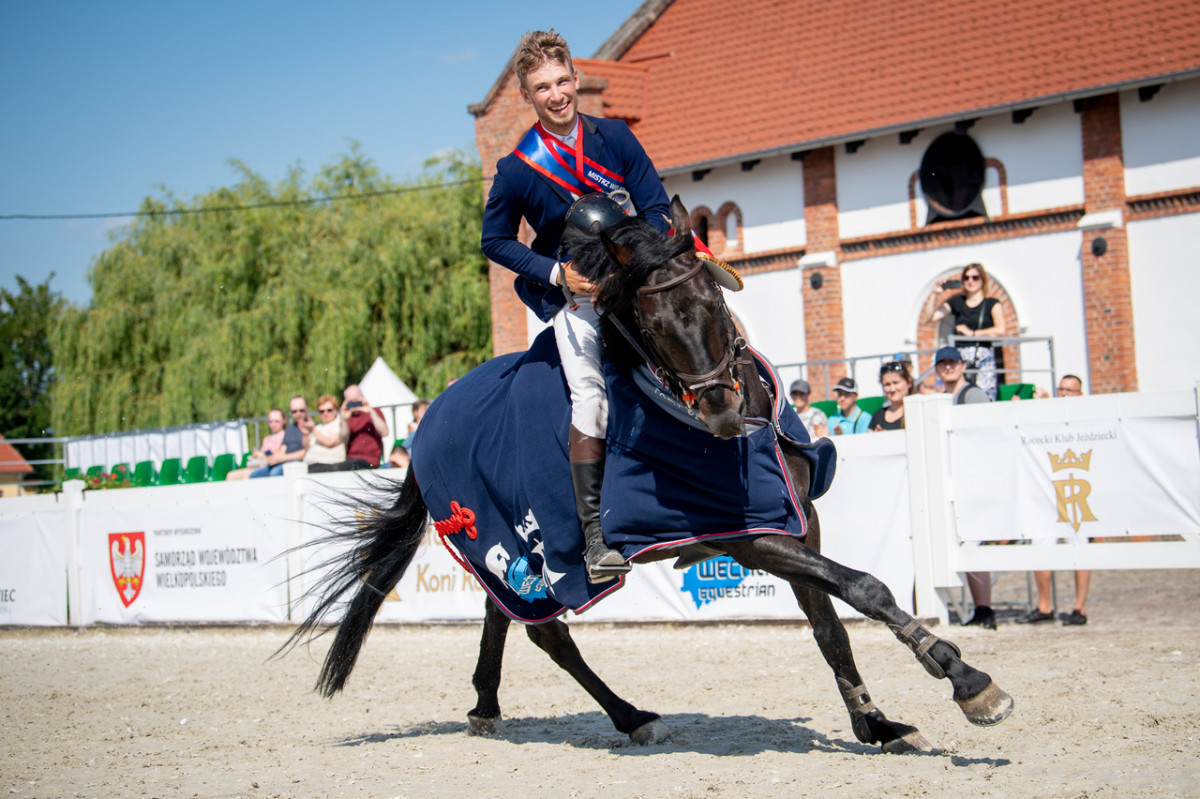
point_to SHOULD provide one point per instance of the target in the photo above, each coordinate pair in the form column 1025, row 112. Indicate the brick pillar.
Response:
column 824, row 326
column 1107, row 296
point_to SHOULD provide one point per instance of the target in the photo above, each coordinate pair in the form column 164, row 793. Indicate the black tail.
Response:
column 384, row 541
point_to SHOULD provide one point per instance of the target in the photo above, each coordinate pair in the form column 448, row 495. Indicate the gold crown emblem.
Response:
column 1069, row 460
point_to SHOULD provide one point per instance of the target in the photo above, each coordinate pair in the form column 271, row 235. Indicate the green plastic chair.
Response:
column 223, row 464
column 1024, row 390
column 144, row 474
column 870, row 405
column 197, row 470
column 169, row 473
column 245, row 460
column 94, row 471
column 827, row 407
column 72, row 474
column 119, row 472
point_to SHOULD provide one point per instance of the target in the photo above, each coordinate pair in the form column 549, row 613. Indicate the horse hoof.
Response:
column 987, row 708
column 912, row 741
column 652, row 732
column 482, row 726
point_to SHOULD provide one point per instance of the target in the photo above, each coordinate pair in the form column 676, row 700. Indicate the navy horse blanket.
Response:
column 490, row 457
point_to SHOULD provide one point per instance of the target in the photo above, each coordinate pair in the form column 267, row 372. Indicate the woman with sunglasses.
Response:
column 897, row 384
column 977, row 315
column 327, row 444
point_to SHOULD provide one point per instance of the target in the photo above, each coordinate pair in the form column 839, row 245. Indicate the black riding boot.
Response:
column 587, row 473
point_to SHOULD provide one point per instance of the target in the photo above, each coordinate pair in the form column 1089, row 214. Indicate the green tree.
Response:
column 225, row 313
column 27, row 318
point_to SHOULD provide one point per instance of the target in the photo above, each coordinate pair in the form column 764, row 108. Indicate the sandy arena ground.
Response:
column 1107, row 710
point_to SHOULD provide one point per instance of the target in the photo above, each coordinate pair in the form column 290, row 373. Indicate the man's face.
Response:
column 950, row 371
column 552, row 90
column 845, row 402
column 299, row 409
column 1070, row 387
column 800, row 401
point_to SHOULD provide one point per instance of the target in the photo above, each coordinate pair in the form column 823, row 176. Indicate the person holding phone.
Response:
column 976, row 315
column 364, row 449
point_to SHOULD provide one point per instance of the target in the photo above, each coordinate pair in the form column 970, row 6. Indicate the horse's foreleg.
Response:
column 787, row 558
column 869, row 723
column 486, row 714
column 554, row 638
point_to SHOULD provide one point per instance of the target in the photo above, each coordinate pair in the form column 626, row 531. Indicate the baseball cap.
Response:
column 947, row 354
column 800, row 387
column 847, row 385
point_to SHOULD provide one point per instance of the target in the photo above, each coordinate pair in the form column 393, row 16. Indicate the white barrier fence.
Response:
column 915, row 508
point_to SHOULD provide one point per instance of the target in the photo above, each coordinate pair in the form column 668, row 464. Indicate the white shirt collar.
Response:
column 570, row 138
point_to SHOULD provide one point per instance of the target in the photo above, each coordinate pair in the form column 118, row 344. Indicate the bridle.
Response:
column 687, row 387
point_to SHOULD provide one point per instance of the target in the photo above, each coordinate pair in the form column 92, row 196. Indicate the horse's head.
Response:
column 684, row 325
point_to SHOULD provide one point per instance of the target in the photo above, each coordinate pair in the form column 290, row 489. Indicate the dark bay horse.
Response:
column 657, row 290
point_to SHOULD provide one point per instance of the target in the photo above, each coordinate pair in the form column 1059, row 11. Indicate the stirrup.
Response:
column 606, row 564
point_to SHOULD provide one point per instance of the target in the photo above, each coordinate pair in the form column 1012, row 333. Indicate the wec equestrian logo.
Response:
column 127, row 562
column 1072, row 493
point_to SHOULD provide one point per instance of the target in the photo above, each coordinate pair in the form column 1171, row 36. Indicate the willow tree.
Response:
column 238, row 299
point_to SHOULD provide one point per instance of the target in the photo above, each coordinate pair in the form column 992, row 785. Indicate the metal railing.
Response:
column 826, row 373
column 253, row 425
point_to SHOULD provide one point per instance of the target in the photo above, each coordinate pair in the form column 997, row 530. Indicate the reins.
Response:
column 688, row 387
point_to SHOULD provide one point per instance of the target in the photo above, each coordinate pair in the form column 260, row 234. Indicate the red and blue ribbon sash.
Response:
column 564, row 166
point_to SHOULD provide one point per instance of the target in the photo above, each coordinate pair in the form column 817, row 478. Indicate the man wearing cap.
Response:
column 948, row 364
column 814, row 419
column 565, row 156
column 849, row 418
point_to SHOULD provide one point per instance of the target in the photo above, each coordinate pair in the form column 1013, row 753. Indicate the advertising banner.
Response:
column 1077, row 479
column 871, row 537
column 33, row 562
column 201, row 553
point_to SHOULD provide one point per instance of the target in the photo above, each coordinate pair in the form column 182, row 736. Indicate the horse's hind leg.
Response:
column 980, row 699
column 486, row 713
column 867, row 721
column 554, row 638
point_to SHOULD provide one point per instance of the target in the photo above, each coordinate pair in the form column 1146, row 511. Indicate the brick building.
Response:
column 845, row 157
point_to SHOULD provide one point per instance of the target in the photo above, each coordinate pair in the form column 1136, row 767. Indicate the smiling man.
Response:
column 564, row 156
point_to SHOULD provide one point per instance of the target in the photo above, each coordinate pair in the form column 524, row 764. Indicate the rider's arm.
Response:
column 641, row 178
column 501, row 222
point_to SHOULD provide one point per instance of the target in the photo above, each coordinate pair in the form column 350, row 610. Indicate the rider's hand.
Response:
column 575, row 282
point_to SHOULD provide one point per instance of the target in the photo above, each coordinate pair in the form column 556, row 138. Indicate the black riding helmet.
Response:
column 594, row 212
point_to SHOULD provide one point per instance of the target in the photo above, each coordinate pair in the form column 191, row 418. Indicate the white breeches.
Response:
column 578, row 336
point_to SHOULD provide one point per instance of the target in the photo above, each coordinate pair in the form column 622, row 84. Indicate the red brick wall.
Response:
column 824, row 326
column 1107, row 296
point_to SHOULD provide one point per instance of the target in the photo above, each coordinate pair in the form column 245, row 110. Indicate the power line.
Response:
column 250, row 207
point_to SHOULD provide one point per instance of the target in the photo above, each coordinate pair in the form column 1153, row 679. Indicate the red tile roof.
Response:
column 727, row 79
column 8, row 453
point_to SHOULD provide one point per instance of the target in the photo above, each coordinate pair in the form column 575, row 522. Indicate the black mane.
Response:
column 617, row 285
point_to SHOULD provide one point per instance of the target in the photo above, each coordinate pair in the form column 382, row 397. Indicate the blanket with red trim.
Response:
column 490, row 457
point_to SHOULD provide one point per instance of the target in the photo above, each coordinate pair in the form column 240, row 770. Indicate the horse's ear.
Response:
column 620, row 254
column 680, row 221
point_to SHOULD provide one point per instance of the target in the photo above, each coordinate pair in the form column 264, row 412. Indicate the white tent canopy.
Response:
column 386, row 391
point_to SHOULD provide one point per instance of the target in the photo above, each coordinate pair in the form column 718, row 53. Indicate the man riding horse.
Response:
column 564, row 156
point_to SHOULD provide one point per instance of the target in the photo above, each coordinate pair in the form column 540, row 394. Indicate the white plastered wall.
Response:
column 1161, row 139
column 882, row 297
column 1042, row 158
column 771, row 311
column 1165, row 276
column 770, row 196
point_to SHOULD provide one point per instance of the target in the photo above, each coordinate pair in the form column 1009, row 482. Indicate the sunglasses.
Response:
column 299, row 410
column 327, row 410
column 972, row 278
column 894, row 366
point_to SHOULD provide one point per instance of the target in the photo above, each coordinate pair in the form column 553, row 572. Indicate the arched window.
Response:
column 952, row 175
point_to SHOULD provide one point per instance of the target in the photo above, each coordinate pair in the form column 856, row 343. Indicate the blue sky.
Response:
column 104, row 104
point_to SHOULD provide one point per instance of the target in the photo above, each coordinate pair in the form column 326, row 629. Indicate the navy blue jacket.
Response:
column 518, row 191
